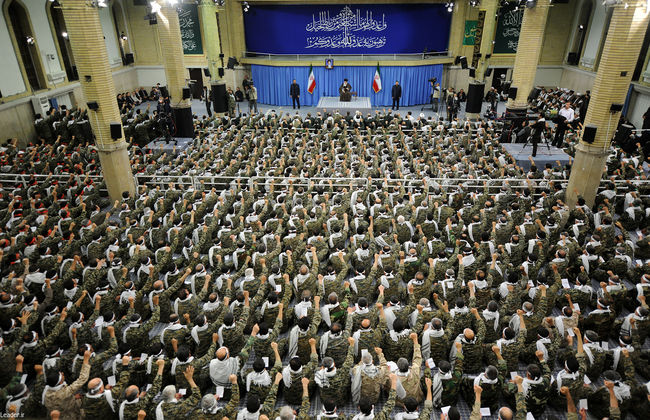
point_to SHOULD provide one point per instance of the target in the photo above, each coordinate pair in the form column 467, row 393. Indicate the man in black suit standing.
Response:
column 396, row 93
column 294, row 92
column 206, row 98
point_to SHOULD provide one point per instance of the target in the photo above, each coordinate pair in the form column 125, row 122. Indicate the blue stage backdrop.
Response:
column 352, row 29
column 273, row 83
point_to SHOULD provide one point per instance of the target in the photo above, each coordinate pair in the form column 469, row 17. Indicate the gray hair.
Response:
column 169, row 393
column 208, row 402
column 286, row 413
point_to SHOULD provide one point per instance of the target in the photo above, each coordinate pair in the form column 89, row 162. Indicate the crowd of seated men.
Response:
column 377, row 266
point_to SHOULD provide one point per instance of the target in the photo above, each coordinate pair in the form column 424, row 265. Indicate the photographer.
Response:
column 435, row 94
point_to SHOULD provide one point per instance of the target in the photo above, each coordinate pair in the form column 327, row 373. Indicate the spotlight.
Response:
column 246, row 6
column 474, row 3
column 155, row 7
column 123, row 37
column 450, row 6
column 30, row 40
column 64, row 34
column 610, row 2
column 101, row 3
column 581, row 27
column 531, row 3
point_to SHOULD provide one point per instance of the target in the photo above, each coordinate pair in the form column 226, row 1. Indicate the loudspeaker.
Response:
column 623, row 134
column 222, row 71
column 616, row 108
column 206, row 72
column 474, row 98
column 140, row 3
column 219, row 97
column 589, row 133
column 533, row 94
column 186, row 93
column 472, row 72
column 116, row 130
column 94, row 106
column 457, row 60
column 128, row 59
column 488, row 72
column 512, row 92
column 488, row 55
column 232, row 62
column 164, row 92
column 463, row 62
column 221, row 55
column 572, row 58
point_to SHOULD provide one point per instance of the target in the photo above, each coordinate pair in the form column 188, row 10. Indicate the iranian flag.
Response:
column 311, row 82
column 376, row 82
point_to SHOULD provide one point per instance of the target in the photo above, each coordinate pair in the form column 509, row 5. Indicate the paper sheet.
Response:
column 111, row 380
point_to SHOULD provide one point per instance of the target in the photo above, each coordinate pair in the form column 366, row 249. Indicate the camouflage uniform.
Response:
column 179, row 409
column 98, row 407
column 337, row 389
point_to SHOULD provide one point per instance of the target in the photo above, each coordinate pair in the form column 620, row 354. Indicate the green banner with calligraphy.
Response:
column 470, row 32
column 508, row 29
column 188, row 18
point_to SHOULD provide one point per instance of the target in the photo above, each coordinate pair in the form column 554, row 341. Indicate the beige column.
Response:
column 171, row 45
column 89, row 51
column 529, row 49
column 618, row 60
column 235, row 24
column 208, row 12
column 457, row 31
column 489, row 28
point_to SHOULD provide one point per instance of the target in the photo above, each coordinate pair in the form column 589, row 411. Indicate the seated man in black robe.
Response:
column 344, row 91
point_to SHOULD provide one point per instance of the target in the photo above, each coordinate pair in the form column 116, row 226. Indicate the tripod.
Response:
column 529, row 140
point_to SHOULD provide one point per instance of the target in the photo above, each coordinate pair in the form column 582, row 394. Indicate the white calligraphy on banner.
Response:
column 186, row 23
column 346, row 22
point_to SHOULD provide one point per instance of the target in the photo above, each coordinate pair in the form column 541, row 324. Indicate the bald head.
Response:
column 365, row 323
column 222, row 353
column 95, row 386
column 131, row 393
column 468, row 333
column 505, row 413
column 158, row 285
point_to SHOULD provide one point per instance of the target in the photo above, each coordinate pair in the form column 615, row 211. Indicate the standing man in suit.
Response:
column 206, row 98
column 294, row 92
column 396, row 93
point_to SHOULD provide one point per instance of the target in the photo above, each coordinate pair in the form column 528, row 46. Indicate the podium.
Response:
column 346, row 96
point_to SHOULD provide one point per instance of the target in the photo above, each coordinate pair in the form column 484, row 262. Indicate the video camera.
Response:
column 433, row 80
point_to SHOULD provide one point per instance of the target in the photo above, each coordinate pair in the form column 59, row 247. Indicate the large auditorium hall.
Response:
column 297, row 210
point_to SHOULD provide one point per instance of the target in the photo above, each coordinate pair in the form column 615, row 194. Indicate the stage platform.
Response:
column 544, row 154
column 332, row 103
column 181, row 144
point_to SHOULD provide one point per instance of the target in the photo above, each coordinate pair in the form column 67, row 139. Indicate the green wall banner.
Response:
column 188, row 18
column 470, row 32
column 508, row 29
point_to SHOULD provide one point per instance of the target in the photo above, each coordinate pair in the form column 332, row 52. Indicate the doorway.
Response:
column 498, row 78
column 196, row 83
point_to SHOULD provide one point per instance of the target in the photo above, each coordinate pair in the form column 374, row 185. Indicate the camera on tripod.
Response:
column 433, row 80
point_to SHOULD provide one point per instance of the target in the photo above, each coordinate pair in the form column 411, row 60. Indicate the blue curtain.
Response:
column 273, row 83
